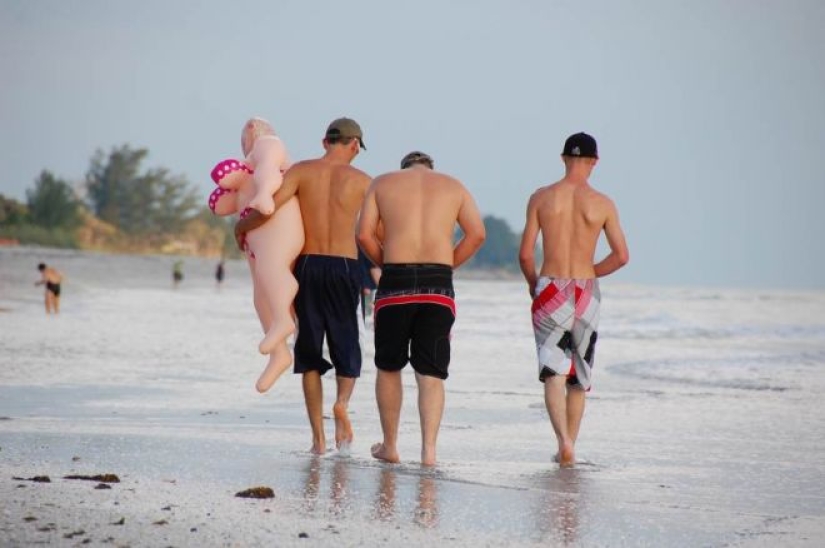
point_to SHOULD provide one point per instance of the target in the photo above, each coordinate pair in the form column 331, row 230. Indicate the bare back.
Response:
column 419, row 209
column 571, row 216
column 330, row 195
column 52, row 276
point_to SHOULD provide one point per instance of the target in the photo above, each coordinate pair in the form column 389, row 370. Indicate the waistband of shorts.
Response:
column 415, row 279
column 327, row 260
column 556, row 279
column 543, row 282
column 424, row 267
column 332, row 262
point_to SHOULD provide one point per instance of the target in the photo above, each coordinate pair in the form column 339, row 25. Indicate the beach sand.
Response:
column 700, row 429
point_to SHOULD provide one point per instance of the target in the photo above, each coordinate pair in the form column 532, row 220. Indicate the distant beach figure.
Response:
column 570, row 215
column 52, row 279
column 219, row 273
column 370, row 274
column 330, row 192
column 406, row 227
column 247, row 187
column 177, row 273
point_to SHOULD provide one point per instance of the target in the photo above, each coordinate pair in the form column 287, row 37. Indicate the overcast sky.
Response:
column 710, row 115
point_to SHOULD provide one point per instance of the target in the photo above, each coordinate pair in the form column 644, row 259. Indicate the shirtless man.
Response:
column 51, row 278
column 406, row 228
column 570, row 215
column 330, row 192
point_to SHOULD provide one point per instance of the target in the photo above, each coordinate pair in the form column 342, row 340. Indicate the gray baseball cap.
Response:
column 343, row 128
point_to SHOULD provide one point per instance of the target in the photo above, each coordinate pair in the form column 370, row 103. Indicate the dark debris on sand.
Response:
column 256, row 493
column 103, row 478
column 36, row 479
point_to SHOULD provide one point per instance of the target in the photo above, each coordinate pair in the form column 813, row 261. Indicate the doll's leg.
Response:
column 280, row 287
column 279, row 361
column 260, row 299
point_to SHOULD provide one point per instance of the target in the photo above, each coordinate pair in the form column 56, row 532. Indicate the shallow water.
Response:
column 703, row 427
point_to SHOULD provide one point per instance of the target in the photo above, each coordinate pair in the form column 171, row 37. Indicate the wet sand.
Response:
column 693, row 435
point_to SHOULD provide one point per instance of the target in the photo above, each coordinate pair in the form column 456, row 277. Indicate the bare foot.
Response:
column 566, row 456
column 428, row 457
column 381, row 453
column 319, row 447
column 276, row 335
column 279, row 361
column 343, row 427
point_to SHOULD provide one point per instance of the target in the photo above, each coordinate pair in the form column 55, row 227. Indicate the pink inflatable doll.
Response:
column 271, row 249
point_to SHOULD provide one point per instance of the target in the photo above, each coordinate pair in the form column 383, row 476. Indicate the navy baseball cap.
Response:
column 580, row 145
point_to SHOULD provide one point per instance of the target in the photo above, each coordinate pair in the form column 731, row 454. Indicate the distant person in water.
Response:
column 51, row 278
column 177, row 273
column 570, row 215
column 370, row 275
column 219, row 273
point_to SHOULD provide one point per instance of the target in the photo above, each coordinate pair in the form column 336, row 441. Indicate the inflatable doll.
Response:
column 271, row 249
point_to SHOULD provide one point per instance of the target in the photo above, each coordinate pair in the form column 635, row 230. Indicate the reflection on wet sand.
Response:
column 338, row 490
column 312, row 483
column 385, row 498
column 338, row 486
column 426, row 510
column 557, row 514
column 426, row 513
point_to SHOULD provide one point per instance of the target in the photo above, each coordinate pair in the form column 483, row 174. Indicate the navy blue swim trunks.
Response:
column 414, row 314
column 327, row 306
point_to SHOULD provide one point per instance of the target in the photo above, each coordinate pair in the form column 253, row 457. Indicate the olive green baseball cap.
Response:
column 343, row 128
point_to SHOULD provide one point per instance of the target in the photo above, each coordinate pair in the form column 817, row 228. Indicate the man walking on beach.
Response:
column 406, row 228
column 51, row 278
column 330, row 192
column 571, row 216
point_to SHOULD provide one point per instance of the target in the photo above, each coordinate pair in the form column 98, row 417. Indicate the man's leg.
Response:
column 314, row 399
column 56, row 304
column 555, row 398
column 343, row 427
column 575, row 411
column 430, row 410
column 389, row 394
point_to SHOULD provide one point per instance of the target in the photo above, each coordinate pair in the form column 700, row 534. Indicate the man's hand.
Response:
column 531, row 286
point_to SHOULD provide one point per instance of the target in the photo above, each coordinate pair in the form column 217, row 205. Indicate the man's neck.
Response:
column 338, row 157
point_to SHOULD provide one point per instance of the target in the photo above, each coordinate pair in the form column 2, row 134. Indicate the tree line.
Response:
column 121, row 206
column 118, row 206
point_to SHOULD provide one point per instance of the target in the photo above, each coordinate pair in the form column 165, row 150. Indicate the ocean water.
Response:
column 705, row 425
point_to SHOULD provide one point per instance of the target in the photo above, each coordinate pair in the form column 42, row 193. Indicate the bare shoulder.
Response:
column 304, row 165
column 602, row 199
column 357, row 175
column 542, row 193
column 454, row 183
column 387, row 178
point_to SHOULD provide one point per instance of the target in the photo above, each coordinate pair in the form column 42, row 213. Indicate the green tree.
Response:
column 138, row 203
column 500, row 249
column 52, row 203
column 111, row 184
column 12, row 212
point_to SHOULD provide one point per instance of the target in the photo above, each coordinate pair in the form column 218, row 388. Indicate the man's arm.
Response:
column 288, row 189
column 619, row 254
column 368, row 228
column 469, row 219
column 527, row 251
